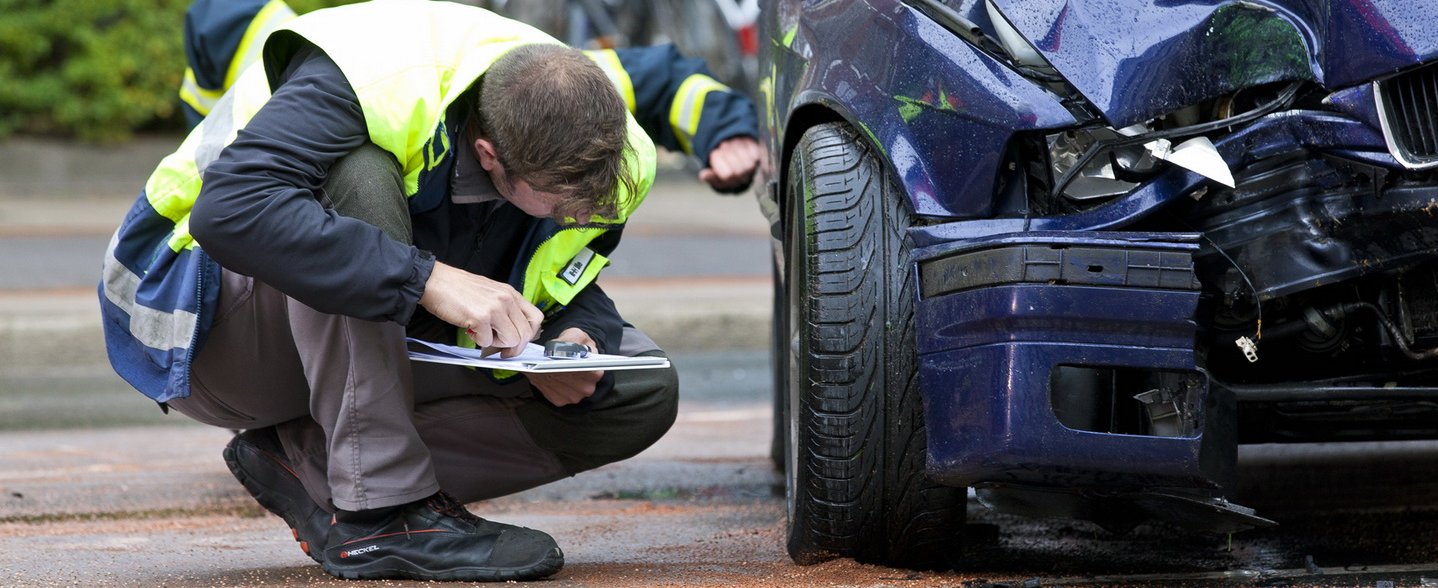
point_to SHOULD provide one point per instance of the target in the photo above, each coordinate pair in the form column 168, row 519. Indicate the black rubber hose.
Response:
column 1392, row 329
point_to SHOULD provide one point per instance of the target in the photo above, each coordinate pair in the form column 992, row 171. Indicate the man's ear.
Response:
column 484, row 152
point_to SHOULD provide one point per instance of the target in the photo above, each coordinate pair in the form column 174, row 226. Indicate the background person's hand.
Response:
column 566, row 388
column 732, row 163
column 493, row 312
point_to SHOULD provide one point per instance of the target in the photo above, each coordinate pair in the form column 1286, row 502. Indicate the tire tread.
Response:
column 865, row 494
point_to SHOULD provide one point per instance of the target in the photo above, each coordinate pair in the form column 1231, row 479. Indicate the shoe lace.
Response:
column 445, row 504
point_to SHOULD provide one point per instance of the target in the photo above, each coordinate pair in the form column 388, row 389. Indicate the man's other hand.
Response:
column 566, row 388
column 493, row 312
column 732, row 164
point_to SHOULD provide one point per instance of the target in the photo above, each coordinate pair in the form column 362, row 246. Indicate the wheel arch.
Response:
column 800, row 121
column 938, row 112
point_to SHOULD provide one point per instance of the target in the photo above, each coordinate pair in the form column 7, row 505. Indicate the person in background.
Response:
column 684, row 108
column 222, row 38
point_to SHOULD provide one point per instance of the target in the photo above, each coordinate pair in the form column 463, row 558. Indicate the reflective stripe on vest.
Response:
column 269, row 19
column 200, row 99
column 154, row 328
column 688, row 103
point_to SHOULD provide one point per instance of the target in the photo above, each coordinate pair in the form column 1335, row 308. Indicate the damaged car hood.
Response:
column 1134, row 60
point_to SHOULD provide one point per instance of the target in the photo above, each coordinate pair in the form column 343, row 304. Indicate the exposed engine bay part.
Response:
column 1197, row 155
column 1335, row 257
column 1248, row 347
column 1318, row 325
column 1126, row 165
column 1400, row 339
column 1347, row 362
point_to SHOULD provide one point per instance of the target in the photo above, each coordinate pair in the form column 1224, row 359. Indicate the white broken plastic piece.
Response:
column 1197, row 155
column 1248, row 347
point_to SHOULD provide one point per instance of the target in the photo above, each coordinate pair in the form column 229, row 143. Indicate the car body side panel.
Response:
column 940, row 112
column 1136, row 59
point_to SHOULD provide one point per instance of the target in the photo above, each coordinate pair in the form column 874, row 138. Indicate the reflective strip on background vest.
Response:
column 198, row 98
column 688, row 103
column 268, row 20
column 608, row 61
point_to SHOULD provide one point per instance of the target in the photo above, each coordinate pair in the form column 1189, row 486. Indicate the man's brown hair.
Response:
column 556, row 122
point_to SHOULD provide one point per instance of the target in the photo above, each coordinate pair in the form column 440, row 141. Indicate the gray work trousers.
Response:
column 367, row 428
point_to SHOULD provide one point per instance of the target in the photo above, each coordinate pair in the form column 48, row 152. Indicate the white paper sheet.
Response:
column 531, row 360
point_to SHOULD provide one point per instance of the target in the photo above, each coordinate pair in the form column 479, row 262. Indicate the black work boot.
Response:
column 437, row 539
column 258, row 461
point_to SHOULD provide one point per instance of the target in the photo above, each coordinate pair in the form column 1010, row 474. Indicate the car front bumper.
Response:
column 999, row 317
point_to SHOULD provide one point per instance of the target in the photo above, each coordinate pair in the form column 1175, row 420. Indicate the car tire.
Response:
column 855, row 481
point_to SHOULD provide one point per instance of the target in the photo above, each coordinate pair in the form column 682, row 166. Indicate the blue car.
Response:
column 1073, row 253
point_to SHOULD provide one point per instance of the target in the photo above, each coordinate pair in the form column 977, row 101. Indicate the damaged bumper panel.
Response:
column 1091, row 339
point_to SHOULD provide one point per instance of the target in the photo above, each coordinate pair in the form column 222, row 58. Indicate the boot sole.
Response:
column 263, row 495
column 393, row 568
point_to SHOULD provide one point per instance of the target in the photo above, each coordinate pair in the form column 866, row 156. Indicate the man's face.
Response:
column 518, row 192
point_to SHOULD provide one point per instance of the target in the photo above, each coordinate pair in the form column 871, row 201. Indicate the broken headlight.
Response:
column 1096, row 177
column 1095, row 163
column 1102, row 162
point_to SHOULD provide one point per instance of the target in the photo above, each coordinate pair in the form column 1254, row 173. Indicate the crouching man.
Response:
column 394, row 168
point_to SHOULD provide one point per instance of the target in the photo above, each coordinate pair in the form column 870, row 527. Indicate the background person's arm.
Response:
column 721, row 132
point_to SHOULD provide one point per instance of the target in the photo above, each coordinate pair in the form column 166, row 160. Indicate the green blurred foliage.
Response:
column 96, row 70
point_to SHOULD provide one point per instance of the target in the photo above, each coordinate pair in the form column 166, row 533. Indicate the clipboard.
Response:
column 532, row 360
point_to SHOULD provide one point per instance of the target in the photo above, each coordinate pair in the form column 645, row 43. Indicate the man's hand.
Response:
column 493, row 312
column 565, row 388
column 732, row 163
